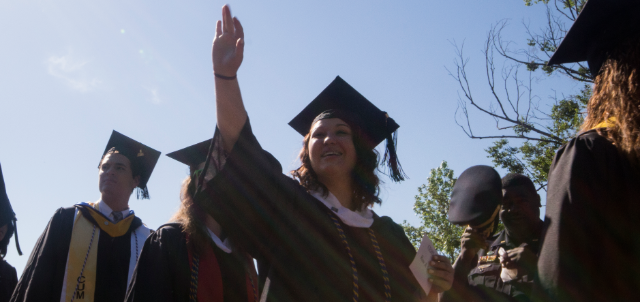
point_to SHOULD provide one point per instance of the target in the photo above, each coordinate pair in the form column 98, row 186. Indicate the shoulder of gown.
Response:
column 589, row 200
column 160, row 271
column 43, row 275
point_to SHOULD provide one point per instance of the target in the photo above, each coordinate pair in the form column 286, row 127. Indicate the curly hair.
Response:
column 366, row 182
column 616, row 97
column 191, row 217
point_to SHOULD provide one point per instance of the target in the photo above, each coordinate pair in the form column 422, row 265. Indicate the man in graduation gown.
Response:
column 590, row 251
column 88, row 252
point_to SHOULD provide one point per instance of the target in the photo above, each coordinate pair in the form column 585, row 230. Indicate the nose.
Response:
column 329, row 139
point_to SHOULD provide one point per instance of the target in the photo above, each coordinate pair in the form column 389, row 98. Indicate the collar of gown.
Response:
column 362, row 218
column 104, row 208
column 225, row 246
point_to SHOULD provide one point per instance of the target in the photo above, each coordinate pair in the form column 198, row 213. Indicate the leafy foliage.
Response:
column 432, row 206
column 534, row 158
column 532, row 134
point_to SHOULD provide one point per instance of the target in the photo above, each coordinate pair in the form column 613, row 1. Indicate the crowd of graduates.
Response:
column 312, row 233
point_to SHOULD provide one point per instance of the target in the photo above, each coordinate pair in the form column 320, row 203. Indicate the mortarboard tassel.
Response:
column 15, row 230
column 391, row 159
column 142, row 193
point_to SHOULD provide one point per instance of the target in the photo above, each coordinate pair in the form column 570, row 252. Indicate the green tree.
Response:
column 528, row 132
column 432, row 206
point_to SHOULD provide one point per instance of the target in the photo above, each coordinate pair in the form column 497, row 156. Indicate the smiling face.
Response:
column 331, row 149
column 115, row 176
column 520, row 211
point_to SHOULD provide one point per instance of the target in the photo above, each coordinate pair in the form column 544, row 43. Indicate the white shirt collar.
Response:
column 225, row 246
column 362, row 218
column 104, row 208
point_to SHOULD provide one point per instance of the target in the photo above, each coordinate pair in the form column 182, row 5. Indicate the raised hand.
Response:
column 471, row 242
column 228, row 45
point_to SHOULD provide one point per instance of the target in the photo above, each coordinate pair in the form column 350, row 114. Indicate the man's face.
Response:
column 116, row 177
column 520, row 209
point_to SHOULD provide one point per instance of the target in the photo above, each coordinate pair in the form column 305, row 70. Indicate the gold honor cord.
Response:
column 354, row 270
column 487, row 232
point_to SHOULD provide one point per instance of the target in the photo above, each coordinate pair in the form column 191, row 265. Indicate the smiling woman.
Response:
column 319, row 235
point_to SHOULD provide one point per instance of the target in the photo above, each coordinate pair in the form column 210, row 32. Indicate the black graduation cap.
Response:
column 476, row 197
column 6, row 212
column 376, row 124
column 601, row 26
column 143, row 158
column 193, row 155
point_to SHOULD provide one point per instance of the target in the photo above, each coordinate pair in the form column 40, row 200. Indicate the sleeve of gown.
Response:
column 41, row 280
column 255, row 203
column 153, row 275
column 584, row 224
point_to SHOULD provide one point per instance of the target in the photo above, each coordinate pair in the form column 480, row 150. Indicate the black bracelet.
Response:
column 224, row 77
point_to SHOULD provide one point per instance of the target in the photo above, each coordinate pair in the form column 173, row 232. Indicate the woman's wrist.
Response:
column 224, row 77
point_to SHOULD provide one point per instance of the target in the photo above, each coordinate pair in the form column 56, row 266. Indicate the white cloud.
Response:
column 72, row 72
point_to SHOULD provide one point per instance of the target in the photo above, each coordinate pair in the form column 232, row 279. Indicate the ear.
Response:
column 136, row 182
column 539, row 204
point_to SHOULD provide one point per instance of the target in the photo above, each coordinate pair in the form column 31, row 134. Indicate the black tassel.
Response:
column 390, row 158
column 15, row 230
column 142, row 193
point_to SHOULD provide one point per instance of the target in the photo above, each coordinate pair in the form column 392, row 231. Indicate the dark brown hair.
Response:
column 366, row 184
column 191, row 217
column 616, row 95
column 7, row 237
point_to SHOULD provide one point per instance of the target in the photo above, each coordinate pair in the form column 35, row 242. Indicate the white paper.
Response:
column 506, row 274
column 420, row 263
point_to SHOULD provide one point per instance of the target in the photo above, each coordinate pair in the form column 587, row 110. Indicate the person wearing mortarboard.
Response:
column 8, row 275
column 88, row 252
column 194, row 244
column 498, row 267
column 590, row 251
column 318, row 233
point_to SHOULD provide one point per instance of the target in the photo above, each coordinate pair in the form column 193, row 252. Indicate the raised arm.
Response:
column 227, row 53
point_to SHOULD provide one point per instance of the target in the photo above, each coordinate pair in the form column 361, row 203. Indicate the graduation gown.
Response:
column 163, row 273
column 254, row 202
column 44, row 274
column 8, row 280
column 591, row 251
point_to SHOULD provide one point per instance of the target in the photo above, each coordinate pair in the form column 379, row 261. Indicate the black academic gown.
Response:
column 256, row 203
column 43, row 275
column 8, row 280
column 163, row 273
column 591, row 251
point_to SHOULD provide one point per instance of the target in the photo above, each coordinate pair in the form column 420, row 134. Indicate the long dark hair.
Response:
column 366, row 183
column 616, row 94
column 191, row 217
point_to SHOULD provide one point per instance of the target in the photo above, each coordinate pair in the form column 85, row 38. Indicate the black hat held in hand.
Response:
column 601, row 26
column 143, row 158
column 340, row 100
column 7, row 216
column 476, row 197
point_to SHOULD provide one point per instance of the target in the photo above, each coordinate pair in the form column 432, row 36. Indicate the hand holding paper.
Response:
column 430, row 269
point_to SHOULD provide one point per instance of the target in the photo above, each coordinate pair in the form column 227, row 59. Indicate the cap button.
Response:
column 106, row 223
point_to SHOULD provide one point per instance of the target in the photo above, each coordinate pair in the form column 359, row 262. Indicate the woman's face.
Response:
column 331, row 149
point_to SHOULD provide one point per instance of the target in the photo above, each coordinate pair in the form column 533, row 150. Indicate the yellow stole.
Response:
column 606, row 124
column 80, row 275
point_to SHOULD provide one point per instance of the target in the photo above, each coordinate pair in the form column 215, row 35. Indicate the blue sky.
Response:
column 72, row 71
